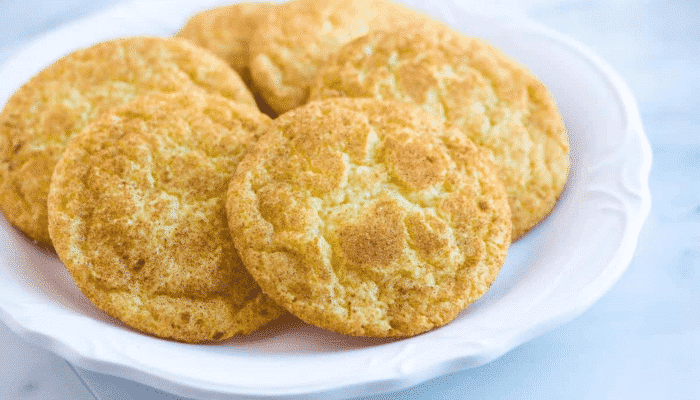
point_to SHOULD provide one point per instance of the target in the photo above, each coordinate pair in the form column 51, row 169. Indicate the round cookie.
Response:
column 471, row 86
column 368, row 218
column 137, row 215
column 39, row 119
column 226, row 31
column 293, row 42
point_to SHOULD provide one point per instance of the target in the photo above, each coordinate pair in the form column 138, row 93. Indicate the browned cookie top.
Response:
column 369, row 218
column 226, row 31
column 137, row 215
column 40, row 118
column 473, row 87
column 295, row 39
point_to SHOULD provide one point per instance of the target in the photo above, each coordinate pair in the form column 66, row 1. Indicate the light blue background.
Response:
column 640, row 341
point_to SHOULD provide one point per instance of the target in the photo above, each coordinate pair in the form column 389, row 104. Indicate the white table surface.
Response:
column 640, row 341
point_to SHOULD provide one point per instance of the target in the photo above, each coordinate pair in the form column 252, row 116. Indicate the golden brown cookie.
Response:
column 226, row 31
column 368, row 218
column 291, row 44
column 137, row 215
column 39, row 119
column 471, row 86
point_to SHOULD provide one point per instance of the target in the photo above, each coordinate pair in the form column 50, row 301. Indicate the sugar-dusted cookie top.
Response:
column 471, row 86
column 226, row 31
column 39, row 119
column 137, row 215
column 368, row 218
column 292, row 43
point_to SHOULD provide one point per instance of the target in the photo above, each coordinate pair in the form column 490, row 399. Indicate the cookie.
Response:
column 471, row 86
column 39, row 119
column 226, row 31
column 137, row 215
column 291, row 44
column 368, row 218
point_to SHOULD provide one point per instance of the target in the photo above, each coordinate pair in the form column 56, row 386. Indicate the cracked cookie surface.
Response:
column 296, row 37
column 137, row 215
column 40, row 118
column 369, row 218
column 471, row 86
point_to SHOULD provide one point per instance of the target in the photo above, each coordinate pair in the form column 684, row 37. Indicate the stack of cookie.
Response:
column 380, row 202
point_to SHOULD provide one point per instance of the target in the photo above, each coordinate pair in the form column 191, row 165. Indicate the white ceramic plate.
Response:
column 551, row 275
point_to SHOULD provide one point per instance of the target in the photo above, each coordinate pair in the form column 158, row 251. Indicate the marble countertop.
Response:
column 640, row 341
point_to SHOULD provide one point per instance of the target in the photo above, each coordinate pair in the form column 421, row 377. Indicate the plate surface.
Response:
column 552, row 275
